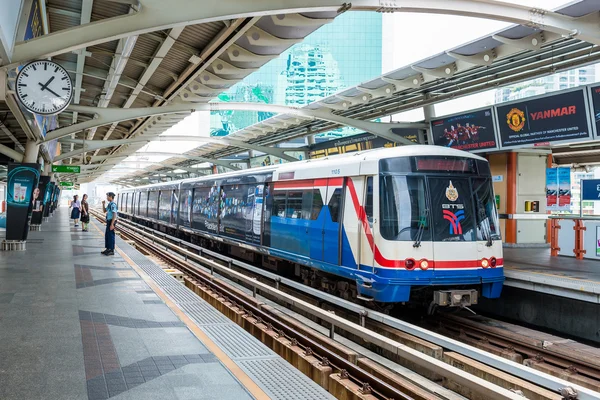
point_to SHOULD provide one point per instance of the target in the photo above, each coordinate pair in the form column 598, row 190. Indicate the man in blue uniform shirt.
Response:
column 111, row 219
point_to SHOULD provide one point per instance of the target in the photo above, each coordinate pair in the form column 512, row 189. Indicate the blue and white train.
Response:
column 384, row 226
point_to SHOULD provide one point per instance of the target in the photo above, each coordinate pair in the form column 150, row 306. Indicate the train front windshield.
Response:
column 441, row 199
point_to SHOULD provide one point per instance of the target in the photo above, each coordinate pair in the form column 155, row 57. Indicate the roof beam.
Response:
column 100, row 144
column 85, row 18
column 122, row 54
column 146, row 164
column 107, row 116
column 12, row 137
column 7, row 151
column 161, row 154
column 154, row 15
column 160, row 53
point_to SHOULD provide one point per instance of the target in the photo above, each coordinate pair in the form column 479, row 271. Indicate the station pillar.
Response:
column 511, row 197
column 32, row 150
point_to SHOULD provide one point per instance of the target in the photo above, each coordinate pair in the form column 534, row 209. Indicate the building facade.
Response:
column 341, row 54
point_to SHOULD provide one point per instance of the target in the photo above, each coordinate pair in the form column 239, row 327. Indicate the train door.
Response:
column 332, row 222
column 367, row 252
column 318, row 215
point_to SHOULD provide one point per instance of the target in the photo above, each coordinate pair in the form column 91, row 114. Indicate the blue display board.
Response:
column 590, row 189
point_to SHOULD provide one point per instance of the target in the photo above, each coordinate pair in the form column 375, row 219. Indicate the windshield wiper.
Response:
column 422, row 223
column 485, row 231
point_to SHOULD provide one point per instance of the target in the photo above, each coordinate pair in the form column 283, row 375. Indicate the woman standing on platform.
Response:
column 85, row 213
column 76, row 205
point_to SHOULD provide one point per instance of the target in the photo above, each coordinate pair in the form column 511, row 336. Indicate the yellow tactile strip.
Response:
column 242, row 377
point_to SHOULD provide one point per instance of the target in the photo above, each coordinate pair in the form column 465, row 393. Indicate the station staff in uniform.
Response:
column 111, row 220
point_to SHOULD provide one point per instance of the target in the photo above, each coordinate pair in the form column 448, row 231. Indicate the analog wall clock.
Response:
column 44, row 87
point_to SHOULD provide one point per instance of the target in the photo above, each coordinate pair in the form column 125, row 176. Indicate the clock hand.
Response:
column 44, row 87
column 53, row 92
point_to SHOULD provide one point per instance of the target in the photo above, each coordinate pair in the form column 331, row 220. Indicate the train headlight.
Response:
column 410, row 263
column 485, row 263
column 424, row 264
column 493, row 262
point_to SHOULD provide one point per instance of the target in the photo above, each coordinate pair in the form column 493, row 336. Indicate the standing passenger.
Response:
column 111, row 219
column 76, row 205
column 85, row 213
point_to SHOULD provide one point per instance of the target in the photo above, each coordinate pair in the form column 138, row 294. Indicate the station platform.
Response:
column 535, row 270
column 561, row 294
column 76, row 324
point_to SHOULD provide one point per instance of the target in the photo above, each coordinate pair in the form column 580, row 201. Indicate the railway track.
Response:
column 474, row 371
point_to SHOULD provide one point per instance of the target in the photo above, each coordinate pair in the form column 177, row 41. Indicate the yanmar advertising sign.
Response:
column 553, row 118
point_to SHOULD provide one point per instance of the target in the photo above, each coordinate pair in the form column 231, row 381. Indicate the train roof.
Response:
column 379, row 154
column 342, row 159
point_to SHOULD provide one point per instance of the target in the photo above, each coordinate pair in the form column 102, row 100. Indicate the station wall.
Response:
column 531, row 186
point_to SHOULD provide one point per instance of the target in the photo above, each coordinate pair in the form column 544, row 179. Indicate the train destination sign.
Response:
column 544, row 119
column 70, row 169
column 470, row 131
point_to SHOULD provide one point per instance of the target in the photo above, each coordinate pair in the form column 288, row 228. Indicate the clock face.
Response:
column 44, row 87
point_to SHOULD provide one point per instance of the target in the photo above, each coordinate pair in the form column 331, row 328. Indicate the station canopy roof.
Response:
column 510, row 55
column 153, row 69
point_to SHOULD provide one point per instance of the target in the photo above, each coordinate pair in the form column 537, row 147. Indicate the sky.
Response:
column 406, row 38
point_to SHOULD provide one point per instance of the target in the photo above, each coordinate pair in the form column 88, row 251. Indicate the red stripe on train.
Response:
column 306, row 183
column 386, row 262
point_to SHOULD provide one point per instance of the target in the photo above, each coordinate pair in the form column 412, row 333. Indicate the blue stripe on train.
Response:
column 291, row 239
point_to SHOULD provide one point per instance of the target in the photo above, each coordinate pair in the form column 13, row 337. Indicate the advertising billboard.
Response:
column 364, row 141
column 595, row 106
column 472, row 131
column 21, row 180
column 553, row 118
column 39, row 200
column 558, row 189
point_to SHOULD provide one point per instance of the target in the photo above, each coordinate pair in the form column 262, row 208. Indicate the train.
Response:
column 384, row 226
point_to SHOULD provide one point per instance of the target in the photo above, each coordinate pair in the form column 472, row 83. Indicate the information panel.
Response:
column 545, row 119
column 470, row 131
column 590, row 189
column 21, row 180
column 595, row 100
column 363, row 141
column 70, row 169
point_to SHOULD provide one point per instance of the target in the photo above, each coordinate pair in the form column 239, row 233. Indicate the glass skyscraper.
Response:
column 341, row 54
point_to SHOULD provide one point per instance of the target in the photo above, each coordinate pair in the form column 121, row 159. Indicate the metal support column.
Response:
column 429, row 112
column 32, row 150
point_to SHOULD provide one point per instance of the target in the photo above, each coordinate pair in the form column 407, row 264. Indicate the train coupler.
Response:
column 455, row 298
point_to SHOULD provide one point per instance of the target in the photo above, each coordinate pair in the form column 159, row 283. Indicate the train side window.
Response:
column 279, row 203
column 164, row 205
column 369, row 201
column 307, row 199
column 294, row 204
column 143, row 206
column 175, row 206
column 153, row 204
column 317, row 204
column 335, row 205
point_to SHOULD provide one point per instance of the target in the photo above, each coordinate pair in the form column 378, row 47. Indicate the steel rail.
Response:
column 477, row 384
column 360, row 376
column 477, row 330
column 537, row 377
